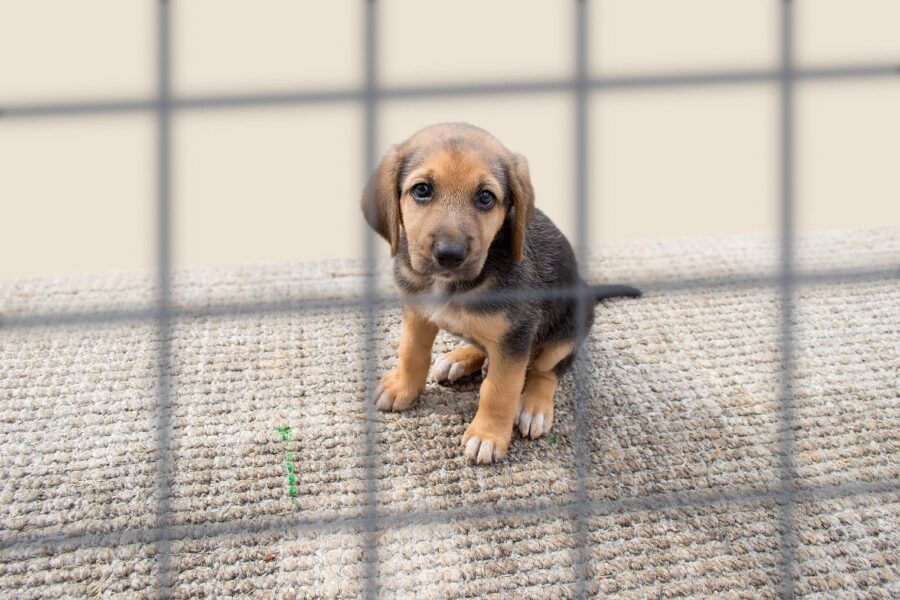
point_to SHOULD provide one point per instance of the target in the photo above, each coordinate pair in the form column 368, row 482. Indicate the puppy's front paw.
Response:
column 457, row 363
column 486, row 442
column 395, row 393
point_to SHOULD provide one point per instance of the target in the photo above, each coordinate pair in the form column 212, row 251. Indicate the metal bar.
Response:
column 357, row 520
column 369, row 521
column 786, row 205
column 582, row 413
column 370, row 64
column 338, row 304
column 624, row 83
column 164, row 301
column 86, row 108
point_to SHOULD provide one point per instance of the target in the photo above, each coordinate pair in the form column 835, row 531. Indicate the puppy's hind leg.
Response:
column 457, row 363
column 535, row 416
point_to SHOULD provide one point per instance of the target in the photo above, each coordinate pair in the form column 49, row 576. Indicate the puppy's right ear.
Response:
column 381, row 199
column 522, row 202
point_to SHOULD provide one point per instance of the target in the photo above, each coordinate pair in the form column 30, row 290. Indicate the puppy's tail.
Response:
column 602, row 292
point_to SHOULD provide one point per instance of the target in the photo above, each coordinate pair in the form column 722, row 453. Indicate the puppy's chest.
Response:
column 448, row 317
column 484, row 329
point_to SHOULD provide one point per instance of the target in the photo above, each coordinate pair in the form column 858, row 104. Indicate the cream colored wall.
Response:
column 282, row 183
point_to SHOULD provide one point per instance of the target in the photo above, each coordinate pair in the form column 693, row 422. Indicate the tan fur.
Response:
column 524, row 195
column 457, row 176
column 547, row 357
column 468, row 357
column 399, row 389
column 379, row 200
column 487, row 438
column 540, row 386
column 485, row 329
column 491, row 429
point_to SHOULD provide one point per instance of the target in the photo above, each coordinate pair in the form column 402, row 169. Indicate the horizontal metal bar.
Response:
column 331, row 304
column 357, row 520
column 76, row 108
column 269, row 99
column 636, row 82
column 136, row 316
column 662, row 81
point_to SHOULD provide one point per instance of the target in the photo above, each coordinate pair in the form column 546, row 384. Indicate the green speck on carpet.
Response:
column 289, row 462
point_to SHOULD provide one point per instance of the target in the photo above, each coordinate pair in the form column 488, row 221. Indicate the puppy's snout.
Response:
column 449, row 254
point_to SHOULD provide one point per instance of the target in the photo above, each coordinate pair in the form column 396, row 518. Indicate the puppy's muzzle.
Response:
column 449, row 254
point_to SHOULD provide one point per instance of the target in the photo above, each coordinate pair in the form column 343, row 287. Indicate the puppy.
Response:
column 474, row 257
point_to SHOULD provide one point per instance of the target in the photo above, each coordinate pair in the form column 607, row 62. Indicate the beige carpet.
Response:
column 684, row 429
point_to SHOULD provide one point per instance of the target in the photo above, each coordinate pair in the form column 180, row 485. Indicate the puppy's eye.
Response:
column 421, row 192
column 485, row 200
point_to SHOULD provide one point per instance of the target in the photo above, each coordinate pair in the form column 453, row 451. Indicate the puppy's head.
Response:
column 449, row 189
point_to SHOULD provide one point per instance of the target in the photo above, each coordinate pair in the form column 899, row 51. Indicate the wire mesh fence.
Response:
column 581, row 86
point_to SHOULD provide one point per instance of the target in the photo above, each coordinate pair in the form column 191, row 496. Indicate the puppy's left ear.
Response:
column 381, row 199
column 522, row 196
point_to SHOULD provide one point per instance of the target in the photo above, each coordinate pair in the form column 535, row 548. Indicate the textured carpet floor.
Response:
column 684, row 431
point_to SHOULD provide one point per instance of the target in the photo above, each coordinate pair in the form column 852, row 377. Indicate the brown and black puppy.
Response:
column 458, row 210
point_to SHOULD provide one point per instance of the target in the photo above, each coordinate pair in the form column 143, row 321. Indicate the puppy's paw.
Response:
column 535, row 416
column 457, row 364
column 395, row 393
column 485, row 443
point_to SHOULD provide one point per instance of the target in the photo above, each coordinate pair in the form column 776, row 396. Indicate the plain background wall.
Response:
column 282, row 183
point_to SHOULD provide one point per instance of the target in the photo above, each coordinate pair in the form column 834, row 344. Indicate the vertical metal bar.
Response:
column 786, row 204
column 371, row 589
column 582, row 413
column 164, row 308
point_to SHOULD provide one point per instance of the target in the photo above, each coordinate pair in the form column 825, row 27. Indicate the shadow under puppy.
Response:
column 474, row 257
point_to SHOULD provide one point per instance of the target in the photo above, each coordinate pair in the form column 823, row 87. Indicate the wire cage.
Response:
column 580, row 88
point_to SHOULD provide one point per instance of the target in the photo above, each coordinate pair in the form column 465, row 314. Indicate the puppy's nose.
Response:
column 449, row 254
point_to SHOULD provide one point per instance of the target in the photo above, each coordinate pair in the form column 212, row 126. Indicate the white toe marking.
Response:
column 472, row 448
column 537, row 426
column 384, row 401
column 441, row 369
column 524, row 423
column 456, row 371
column 485, row 453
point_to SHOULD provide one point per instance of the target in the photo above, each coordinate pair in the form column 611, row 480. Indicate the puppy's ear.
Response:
column 381, row 199
column 522, row 196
